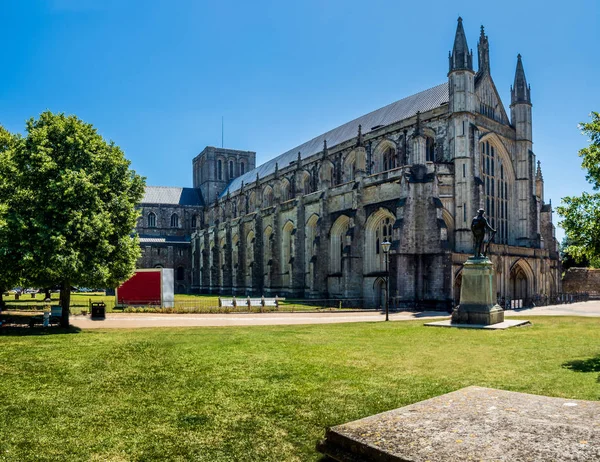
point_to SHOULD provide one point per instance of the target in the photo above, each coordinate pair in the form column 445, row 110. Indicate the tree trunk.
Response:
column 2, row 302
column 65, row 301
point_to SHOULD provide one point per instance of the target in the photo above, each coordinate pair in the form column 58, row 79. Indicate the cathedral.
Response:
column 311, row 222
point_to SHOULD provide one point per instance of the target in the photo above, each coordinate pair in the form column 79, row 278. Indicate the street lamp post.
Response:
column 386, row 249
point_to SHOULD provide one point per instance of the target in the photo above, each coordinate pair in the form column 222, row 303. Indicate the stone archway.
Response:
column 521, row 281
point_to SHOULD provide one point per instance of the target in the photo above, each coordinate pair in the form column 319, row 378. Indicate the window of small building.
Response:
column 174, row 221
column 151, row 220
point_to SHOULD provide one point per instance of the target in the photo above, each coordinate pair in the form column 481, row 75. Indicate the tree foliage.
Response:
column 10, row 261
column 73, row 206
column 582, row 213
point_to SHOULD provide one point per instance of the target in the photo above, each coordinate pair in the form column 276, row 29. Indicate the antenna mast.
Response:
column 222, row 130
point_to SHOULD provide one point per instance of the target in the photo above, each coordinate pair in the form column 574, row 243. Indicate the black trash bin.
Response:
column 98, row 310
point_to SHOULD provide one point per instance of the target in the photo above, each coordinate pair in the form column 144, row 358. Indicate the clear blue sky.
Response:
column 156, row 76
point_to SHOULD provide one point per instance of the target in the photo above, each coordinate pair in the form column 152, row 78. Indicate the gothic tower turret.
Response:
column 483, row 53
column 520, row 103
column 520, row 114
column 461, row 81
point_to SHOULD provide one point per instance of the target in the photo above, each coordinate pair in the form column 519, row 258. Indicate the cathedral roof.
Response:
column 395, row 112
column 169, row 195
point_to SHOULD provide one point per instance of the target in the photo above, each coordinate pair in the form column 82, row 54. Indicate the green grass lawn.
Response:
column 259, row 393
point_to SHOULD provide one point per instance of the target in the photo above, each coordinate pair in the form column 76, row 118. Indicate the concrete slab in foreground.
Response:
column 474, row 423
column 499, row 325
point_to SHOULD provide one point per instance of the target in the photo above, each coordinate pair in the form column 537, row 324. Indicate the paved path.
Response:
column 131, row 320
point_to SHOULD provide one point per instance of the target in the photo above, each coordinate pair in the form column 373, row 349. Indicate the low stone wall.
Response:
column 582, row 280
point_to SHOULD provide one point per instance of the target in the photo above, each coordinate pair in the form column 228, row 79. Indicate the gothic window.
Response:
column 267, row 255
column 285, row 190
column 337, row 243
column 249, row 258
column 194, row 221
column 180, row 273
column 430, row 150
column 152, row 220
column 287, row 254
column 389, row 158
column 268, row 197
column 496, row 191
column 231, row 175
column 219, row 169
column 234, row 259
column 242, row 168
column 174, row 221
column 306, row 184
column 310, row 251
column 378, row 230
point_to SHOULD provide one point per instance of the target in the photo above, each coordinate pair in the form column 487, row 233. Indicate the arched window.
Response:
column 152, row 220
column 231, row 169
column 337, row 243
column 219, row 169
column 287, row 254
column 378, row 230
column 350, row 167
column 234, row 259
column 194, row 221
column 249, row 258
column 267, row 197
column 430, row 149
column 242, row 168
column 310, row 251
column 180, row 273
column 389, row 158
column 267, row 254
column 285, row 190
column 306, row 184
column 174, row 221
column 495, row 189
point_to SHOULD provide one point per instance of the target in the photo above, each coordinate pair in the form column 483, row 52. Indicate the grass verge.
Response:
column 260, row 393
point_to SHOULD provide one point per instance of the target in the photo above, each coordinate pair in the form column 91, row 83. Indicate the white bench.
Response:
column 249, row 302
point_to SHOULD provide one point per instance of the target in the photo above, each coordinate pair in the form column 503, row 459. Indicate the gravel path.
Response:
column 135, row 320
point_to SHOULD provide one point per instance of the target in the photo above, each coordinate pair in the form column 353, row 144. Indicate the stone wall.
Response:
column 582, row 280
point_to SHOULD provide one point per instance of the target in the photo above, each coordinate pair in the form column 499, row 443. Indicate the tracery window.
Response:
column 152, row 220
column 389, row 158
column 430, row 150
column 495, row 184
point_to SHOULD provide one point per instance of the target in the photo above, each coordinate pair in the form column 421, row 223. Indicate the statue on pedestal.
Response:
column 478, row 294
column 479, row 226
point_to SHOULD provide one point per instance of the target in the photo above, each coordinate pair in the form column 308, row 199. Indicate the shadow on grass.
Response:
column 21, row 331
column 584, row 365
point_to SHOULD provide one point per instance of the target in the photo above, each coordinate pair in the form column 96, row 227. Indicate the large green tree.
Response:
column 73, row 207
column 10, row 260
column 581, row 214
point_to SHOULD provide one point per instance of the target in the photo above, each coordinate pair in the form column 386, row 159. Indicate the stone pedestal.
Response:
column 478, row 295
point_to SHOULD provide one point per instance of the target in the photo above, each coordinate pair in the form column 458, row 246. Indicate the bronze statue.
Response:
column 479, row 226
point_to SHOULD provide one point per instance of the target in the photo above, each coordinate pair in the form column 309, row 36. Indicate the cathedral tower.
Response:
column 214, row 168
column 461, row 80
column 520, row 114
